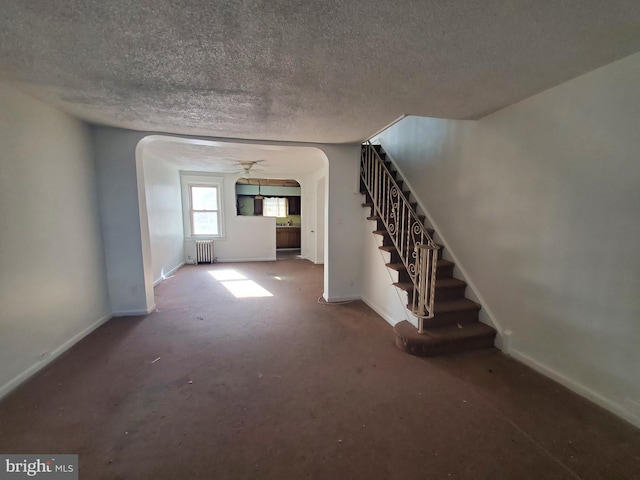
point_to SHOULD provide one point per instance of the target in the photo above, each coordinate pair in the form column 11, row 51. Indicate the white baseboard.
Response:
column 576, row 387
column 168, row 274
column 380, row 311
column 348, row 298
column 135, row 313
column 229, row 260
column 33, row 369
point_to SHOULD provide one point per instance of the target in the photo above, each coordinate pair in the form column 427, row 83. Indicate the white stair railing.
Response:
column 416, row 248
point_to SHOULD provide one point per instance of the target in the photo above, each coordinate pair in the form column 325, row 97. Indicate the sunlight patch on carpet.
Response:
column 246, row 289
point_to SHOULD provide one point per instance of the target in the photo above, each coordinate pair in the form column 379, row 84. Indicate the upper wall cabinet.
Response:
column 294, row 205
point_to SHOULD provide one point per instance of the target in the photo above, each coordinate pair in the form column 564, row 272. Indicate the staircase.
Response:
column 447, row 321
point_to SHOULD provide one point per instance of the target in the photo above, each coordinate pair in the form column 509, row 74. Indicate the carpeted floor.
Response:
column 283, row 387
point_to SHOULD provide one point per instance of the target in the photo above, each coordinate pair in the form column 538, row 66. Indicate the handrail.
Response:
column 416, row 248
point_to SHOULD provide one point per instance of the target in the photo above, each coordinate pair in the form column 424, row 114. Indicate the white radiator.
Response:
column 204, row 251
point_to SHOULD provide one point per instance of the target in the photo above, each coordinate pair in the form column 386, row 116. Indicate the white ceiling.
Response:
column 212, row 156
column 301, row 70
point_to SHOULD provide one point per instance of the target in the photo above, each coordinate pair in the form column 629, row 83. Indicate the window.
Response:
column 203, row 210
column 274, row 207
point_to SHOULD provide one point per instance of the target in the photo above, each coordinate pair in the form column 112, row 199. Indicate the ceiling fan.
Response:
column 246, row 167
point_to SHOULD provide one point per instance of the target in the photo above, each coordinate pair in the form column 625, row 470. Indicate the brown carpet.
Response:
column 283, row 387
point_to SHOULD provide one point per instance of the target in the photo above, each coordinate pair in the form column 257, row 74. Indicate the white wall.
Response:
column 247, row 238
column 540, row 203
column 53, row 287
column 377, row 280
column 164, row 211
column 124, row 219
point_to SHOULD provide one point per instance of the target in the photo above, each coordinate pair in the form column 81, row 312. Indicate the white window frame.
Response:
column 192, row 179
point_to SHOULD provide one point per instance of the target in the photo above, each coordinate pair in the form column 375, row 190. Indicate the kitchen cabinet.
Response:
column 287, row 237
column 294, row 237
column 294, row 205
column 282, row 237
column 257, row 206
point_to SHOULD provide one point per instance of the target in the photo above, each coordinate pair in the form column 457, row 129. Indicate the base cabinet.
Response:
column 294, row 238
column 287, row 237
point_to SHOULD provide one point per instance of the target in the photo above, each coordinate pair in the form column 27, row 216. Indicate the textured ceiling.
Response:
column 275, row 161
column 308, row 70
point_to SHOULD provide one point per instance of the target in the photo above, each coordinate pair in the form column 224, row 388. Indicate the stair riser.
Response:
column 403, row 276
column 452, row 318
column 430, row 231
column 439, row 251
column 449, row 293
column 394, row 257
column 444, row 272
column 444, row 319
column 386, row 240
column 443, row 294
column 426, row 350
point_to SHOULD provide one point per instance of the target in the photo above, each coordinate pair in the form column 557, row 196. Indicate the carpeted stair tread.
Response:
column 443, row 340
column 452, row 312
column 398, row 267
column 390, row 248
column 450, row 282
column 445, row 334
column 406, row 286
column 441, row 264
column 445, row 263
column 430, row 231
column 453, row 306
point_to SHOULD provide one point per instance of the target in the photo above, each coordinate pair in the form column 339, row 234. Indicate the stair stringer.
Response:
column 378, row 281
column 485, row 314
